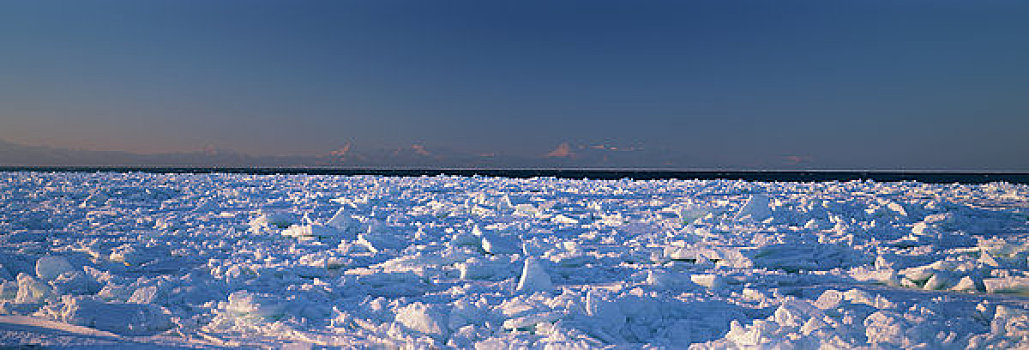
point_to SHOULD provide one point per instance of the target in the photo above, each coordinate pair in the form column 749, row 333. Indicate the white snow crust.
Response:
column 298, row 261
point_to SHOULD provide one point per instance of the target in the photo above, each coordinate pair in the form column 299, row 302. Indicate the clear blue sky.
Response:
column 841, row 84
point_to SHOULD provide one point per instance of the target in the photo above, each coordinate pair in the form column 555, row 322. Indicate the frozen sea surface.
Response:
column 236, row 260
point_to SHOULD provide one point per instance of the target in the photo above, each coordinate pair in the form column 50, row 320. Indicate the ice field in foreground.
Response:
column 230, row 260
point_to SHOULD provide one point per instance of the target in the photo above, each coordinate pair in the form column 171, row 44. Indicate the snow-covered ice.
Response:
column 235, row 260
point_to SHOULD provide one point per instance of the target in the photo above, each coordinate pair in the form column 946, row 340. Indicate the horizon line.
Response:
column 151, row 168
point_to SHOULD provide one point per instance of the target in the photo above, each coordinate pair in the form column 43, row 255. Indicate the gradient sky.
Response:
column 843, row 84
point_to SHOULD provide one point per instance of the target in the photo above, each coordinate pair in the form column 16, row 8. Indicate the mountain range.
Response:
column 565, row 155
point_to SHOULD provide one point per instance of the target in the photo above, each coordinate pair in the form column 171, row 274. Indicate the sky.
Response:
column 708, row 84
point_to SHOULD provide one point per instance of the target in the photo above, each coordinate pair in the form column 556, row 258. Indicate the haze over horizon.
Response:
column 741, row 84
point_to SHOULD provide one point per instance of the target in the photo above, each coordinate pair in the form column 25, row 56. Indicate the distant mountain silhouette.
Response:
column 12, row 154
column 565, row 155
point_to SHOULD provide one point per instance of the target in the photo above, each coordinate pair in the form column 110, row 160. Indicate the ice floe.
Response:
column 238, row 260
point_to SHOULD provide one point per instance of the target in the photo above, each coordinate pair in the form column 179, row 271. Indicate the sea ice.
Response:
column 247, row 261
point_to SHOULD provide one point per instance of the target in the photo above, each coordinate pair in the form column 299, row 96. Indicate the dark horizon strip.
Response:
column 763, row 176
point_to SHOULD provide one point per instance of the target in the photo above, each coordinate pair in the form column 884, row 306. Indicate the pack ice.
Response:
column 232, row 260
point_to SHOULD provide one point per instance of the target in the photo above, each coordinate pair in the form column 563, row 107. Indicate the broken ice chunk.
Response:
column 526, row 209
column 253, row 307
column 310, row 231
column 1010, row 285
column 668, row 280
column 269, row 221
column 711, row 281
column 692, row 212
column 131, row 255
column 478, row 269
column 430, row 320
column 466, row 239
column 967, row 284
column 49, row 267
column 71, row 282
column 31, row 290
column 121, row 318
column 938, row 281
column 379, row 237
column 95, row 199
column 343, row 221
column 885, row 327
column 534, row 277
column 144, row 295
column 562, row 219
column 756, row 208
